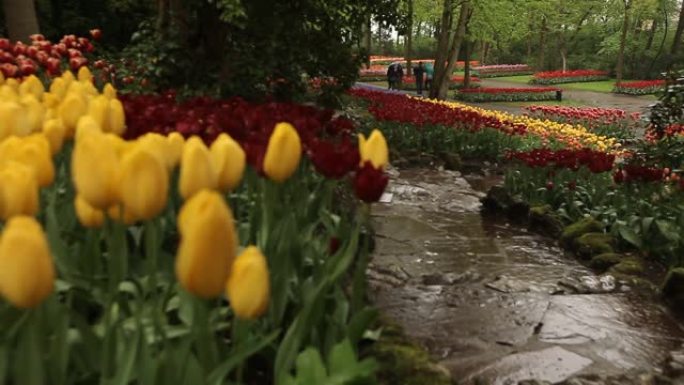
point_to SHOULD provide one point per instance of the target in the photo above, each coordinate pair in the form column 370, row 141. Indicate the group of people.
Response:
column 422, row 73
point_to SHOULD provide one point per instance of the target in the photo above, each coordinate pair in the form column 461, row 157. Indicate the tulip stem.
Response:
column 240, row 332
column 204, row 338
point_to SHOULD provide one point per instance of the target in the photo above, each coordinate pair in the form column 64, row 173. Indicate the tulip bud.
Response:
column 18, row 191
column 283, row 153
column 229, row 162
column 370, row 183
column 94, row 170
column 208, row 242
column 13, row 120
column 117, row 117
column 87, row 126
column 84, row 74
column 58, row 87
column 54, row 131
column 144, row 184
column 88, row 215
column 158, row 146
column 109, row 91
column 120, row 214
column 72, row 108
column 34, row 152
column 35, row 113
column 33, row 86
column 176, row 142
column 248, row 287
column 98, row 109
column 374, row 150
column 197, row 171
column 27, row 274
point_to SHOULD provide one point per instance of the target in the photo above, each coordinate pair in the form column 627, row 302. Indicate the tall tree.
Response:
column 678, row 33
column 454, row 39
column 623, row 42
column 20, row 18
column 409, row 32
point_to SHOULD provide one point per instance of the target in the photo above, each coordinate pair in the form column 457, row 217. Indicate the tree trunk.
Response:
column 678, row 33
column 651, row 34
column 442, row 44
column 441, row 80
column 369, row 40
column 623, row 41
column 20, row 19
column 466, row 69
column 542, row 46
column 409, row 35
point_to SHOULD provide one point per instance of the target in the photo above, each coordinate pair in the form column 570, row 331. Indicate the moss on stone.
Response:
column 403, row 362
column 603, row 262
column 591, row 244
column 628, row 266
column 579, row 228
column 543, row 219
column 673, row 288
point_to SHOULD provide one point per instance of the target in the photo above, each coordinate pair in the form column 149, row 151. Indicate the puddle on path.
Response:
column 484, row 296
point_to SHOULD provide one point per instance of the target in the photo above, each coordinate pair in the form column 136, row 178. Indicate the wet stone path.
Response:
column 496, row 304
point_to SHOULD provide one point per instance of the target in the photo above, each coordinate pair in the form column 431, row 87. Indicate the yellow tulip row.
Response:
column 575, row 136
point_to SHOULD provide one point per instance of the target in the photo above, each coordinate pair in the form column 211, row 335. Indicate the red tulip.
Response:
column 549, row 185
column 100, row 64
column 27, row 68
column 5, row 44
column 37, row 37
column 31, row 51
column 77, row 62
column 53, row 66
column 19, row 49
column 370, row 183
column 96, row 34
column 334, row 160
column 9, row 70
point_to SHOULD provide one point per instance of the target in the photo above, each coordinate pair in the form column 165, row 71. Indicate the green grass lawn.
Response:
column 514, row 79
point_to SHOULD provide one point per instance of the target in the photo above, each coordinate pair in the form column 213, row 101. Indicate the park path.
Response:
column 496, row 304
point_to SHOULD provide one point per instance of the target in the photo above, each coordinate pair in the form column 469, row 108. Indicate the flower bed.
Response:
column 487, row 94
column 42, row 57
column 558, row 77
column 427, row 113
column 610, row 122
column 641, row 87
column 178, row 251
column 492, row 71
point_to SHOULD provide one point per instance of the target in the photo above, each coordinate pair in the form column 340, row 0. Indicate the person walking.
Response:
column 400, row 76
column 418, row 73
column 391, row 76
column 429, row 74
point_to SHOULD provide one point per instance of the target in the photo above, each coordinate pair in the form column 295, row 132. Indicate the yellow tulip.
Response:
column 35, row 112
column 87, row 126
column 144, row 184
column 208, row 242
column 13, row 120
column 32, row 86
column 70, row 110
column 54, row 131
column 158, row 146
column 229, row 162
column 176, row 142
column 88, row 215
column 2, row 78
column 13, row 84
column 8, row 94
column 197, row 171
column 9, row 148
column 84, row 74
column 27, row 273
column 120, row 146
column 34, row 152
column 68, row 77
column 117, row 117
column 94, row 169
column 18, row 191
column 374, row 149
column 283, row 153
column 248, row 287
column 109, row 91
column 98, row 109
column 58, row 88
column 120, row 214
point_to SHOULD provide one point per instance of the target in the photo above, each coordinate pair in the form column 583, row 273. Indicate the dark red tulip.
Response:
column 77, row 62
column 96, row 34
column 5, row 44
column 334, row 160
column 53, row 66
column 9, row 70
column 334, row 245
column 370, row 183
column 549, row 185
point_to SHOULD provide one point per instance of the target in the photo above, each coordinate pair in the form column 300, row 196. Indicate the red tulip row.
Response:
column 327, row 140
column 586, row 116
column 595, row 161
column 640, row 87
column 402, row 109
column 486, row 94
column 18, row 60
column 557, row 77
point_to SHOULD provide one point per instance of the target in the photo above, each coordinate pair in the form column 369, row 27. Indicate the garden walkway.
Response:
column 496, row 304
